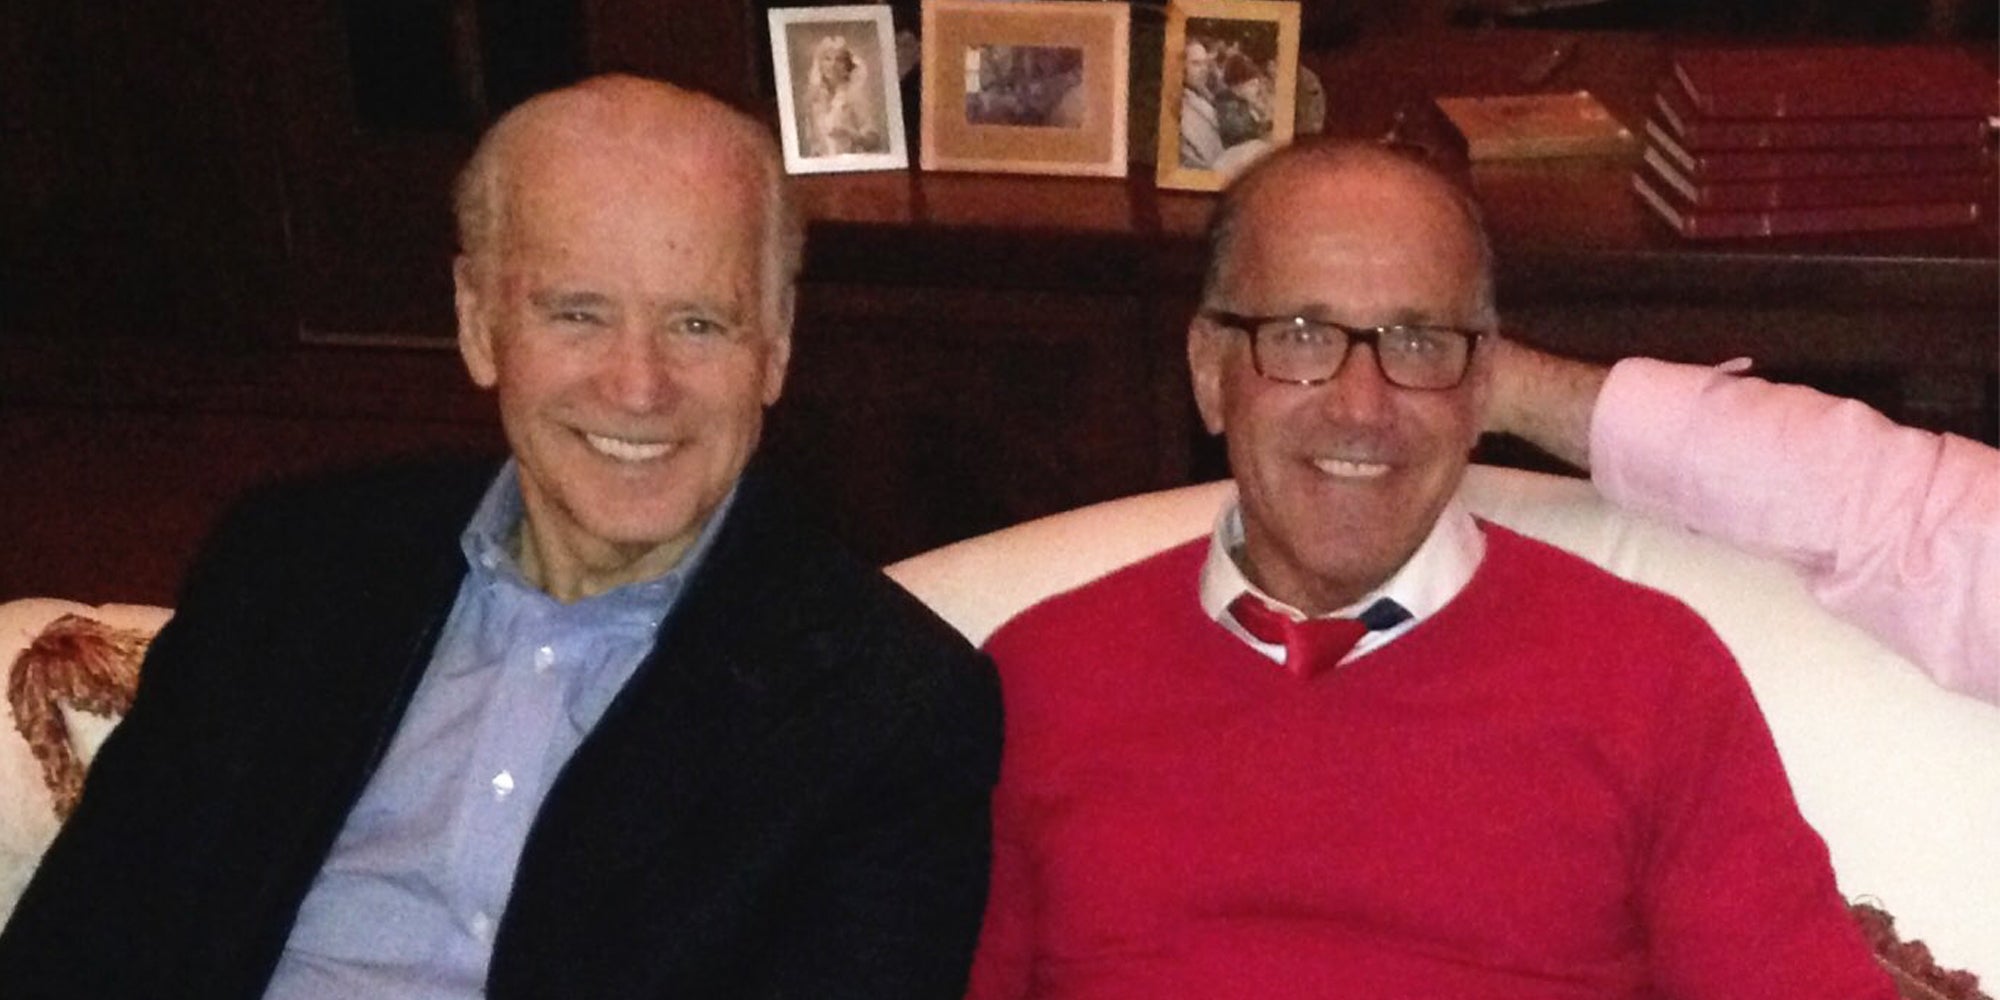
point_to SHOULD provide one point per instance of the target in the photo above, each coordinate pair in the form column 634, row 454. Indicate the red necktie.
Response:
column 1314, row 644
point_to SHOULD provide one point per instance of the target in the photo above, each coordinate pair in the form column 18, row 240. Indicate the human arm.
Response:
column 1544, row 399
column 1736, row 893
column 1895, row 529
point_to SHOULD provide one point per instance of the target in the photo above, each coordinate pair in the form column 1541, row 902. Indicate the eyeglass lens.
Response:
column 1414, row 357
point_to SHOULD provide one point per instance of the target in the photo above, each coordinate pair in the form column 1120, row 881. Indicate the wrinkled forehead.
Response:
column 566, row 173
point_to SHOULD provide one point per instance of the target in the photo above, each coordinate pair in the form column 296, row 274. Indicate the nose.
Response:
column 634, row 374
column 1357, row 393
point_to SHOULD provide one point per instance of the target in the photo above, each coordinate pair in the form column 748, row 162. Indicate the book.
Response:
column 1766, row 164
column 1726, row 224
column 1811, row 192
column 1896, row 81
column 1698, row 133
column 1536, row 126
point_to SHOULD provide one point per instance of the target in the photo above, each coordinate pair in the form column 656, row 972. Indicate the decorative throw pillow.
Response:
column 1917, row 976
column 68, row 672
column 77, row 664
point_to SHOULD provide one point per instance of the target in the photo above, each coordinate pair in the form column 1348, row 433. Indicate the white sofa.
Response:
column 1901, row 777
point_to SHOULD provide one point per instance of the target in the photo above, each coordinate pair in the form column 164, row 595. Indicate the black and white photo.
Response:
column 838, row 104
column 1228, row 88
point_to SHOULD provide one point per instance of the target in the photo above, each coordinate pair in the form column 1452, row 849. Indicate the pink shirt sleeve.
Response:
column 1896, row 529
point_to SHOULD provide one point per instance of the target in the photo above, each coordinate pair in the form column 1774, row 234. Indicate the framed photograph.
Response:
column 1025, row 87
column 1228, row 88
column 839, row 107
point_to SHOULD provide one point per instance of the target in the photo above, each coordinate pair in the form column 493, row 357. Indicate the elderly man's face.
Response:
column 1340, row 482
column 623, row 327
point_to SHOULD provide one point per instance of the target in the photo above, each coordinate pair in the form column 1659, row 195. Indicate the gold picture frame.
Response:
column 1246, row 53
column 1025, row 87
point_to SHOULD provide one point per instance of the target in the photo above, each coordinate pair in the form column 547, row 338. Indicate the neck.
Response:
column 1320, row 598
column 570, row 576
column 1311, row 594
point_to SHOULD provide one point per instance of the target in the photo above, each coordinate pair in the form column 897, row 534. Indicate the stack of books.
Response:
column 1762, row 142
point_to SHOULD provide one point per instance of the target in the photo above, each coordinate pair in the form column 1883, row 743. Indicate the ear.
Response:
column 1206, row 348
column 778, row 347
column 777, row 360
column 475, row 333
column 1479, row 388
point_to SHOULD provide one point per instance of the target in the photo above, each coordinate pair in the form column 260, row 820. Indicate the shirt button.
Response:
column 503, row 786
column 481, row 927
column 545, row 657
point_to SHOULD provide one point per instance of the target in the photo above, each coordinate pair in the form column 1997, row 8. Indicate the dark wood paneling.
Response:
column 108, row 505
column 704, row 44
column 919, row 416
column 137, row 185
column 118, row 457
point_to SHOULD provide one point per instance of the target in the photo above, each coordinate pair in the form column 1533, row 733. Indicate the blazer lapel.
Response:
column 355, row 671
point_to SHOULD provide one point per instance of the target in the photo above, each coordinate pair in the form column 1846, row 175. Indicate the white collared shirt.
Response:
column 1434, row 574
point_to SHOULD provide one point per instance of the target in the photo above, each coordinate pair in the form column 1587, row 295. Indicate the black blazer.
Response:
column 789, row 798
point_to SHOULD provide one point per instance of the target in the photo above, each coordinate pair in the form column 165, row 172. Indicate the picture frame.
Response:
column 1025, row 87
column 840, row 106
column 1228, row 88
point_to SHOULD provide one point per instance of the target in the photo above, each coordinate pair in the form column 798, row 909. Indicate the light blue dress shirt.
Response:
column 408, row 901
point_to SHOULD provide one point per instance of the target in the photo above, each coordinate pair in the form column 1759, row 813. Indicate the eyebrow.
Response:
column 1404, row 316
column 729, row 312
column 1419, row 317
column 543, row 298
column 559, row 299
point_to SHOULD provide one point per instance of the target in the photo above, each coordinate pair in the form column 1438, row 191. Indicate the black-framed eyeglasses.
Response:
column 1305, row 351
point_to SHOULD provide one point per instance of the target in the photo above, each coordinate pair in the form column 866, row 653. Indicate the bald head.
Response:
column 644, row 123
column 1348, row 183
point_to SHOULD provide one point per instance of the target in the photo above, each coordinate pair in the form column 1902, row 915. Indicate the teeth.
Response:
column 627, row 451
column 1350, row 470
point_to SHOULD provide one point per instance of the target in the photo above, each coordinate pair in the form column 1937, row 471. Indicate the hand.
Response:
column 1543, row 399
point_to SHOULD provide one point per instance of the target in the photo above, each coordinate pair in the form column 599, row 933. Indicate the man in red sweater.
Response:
column 1358, row 744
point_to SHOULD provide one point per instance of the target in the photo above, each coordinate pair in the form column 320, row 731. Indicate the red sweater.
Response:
column 1556, row 787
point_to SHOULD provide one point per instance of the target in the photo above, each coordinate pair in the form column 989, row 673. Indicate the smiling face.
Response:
column 1340, row 482
column 1198, row 68
column 619, row 315
column 834, row 61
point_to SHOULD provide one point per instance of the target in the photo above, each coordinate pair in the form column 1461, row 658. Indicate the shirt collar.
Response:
column 1434, row 574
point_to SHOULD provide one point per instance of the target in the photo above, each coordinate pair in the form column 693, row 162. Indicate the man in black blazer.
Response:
column 607, row 722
